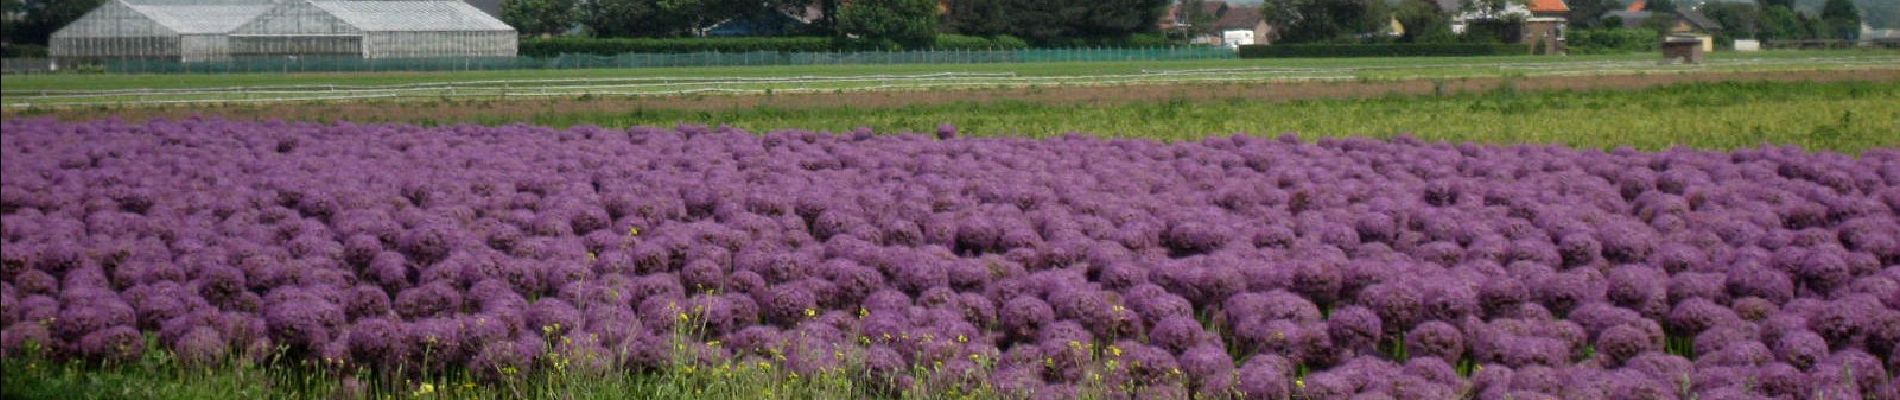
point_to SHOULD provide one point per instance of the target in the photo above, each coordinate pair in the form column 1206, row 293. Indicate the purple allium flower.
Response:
column 1801, row 348
column 1178, row 333
column 201, row 346
column 429, row 300
column 1354, row 328
column 1695, row 315
column 1621, row 342
column 1024, row 317
column 118, row 343
column 1398, row 305
column 553, row 317
column 1436, row 339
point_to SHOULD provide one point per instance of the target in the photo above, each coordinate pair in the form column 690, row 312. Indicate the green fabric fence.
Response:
column 646, row 60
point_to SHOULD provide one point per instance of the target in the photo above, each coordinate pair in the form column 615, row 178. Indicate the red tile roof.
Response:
column 1548, row 6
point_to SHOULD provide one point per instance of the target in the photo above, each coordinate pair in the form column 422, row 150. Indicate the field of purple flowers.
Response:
column 1245, row 267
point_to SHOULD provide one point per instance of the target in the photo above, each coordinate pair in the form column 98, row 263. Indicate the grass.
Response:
column 1368, row 67
column 1845, row 117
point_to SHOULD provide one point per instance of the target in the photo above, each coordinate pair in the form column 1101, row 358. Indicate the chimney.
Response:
column 1638, row 5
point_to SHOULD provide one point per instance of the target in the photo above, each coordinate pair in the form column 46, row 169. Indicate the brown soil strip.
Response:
column 470, row 110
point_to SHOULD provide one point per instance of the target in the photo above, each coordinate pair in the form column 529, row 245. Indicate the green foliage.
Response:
column 911, row 23
column 1738, row 20
column 1842, row 20
column 951, row 41
column 1133, row 40
column 1661, row 6
column 1494, row 31
column 1424, row 23
column 40, row 18
column 1382, row 50
column 22, row 50
column 1783, row 23
column 629, row 18
column 1491, row 7
column 1611, row 40
column 572, row 45
column 1332, row 21
column 539, row 17
column 978, row 17
column 1057, row 22
column 1586, row 14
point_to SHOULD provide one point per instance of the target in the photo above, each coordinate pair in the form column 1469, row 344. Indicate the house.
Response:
column 1545, row 21
column 1244, row 22
column 1231, row 25
column 176, row 30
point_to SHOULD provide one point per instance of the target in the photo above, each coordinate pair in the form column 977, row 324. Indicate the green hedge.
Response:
column 536, row 47
column 1382, row 50
column 607, row 47
column 951, row 41
column 1609, row 41
column 1135, row 40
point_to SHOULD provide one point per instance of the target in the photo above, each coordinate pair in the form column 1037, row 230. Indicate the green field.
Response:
column 33, row 89
column 1832, row 116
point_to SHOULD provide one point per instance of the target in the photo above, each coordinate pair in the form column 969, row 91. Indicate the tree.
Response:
column 1738, row 20
column 978, row 17
column 1424, row 22
column 1841, row 19
column 1585, row 14
column 904, row 22
column 1490, row 9
column 40, row 18
column 1661, row 6
column 539, row 17
column 1334, row 20
column 1765, row 4
column 1782, row 23
column 627, row 18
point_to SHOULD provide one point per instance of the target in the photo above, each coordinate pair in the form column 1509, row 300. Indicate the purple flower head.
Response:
column 1354, row 328
column 1695, row 315
column 118, row 343
column 1178, row 333
column 1621, row 342
column 1750, row 280
column 1436, row 339
column 1801, row 348
column 1024, row 317
column 435, row 299
column 1398, row 305
column 200, row 346
column 553, row 317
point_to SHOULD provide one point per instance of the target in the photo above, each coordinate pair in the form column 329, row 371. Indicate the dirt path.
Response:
column 450, row 111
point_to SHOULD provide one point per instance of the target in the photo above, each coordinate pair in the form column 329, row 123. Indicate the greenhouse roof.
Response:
column 199, row 17
column 412, row 16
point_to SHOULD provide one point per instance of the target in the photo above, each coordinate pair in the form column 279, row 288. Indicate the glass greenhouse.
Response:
column 220, row 30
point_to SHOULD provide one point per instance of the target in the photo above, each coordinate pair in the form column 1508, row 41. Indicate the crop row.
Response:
column 1236, row 266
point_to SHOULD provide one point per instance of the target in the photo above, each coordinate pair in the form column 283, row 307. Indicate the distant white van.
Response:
column 1233, row 39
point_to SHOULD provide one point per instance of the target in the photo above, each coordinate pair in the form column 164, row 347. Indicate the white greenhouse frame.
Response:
column 223, row 30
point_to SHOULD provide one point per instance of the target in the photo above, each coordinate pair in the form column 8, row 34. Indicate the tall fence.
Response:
column 632, row 60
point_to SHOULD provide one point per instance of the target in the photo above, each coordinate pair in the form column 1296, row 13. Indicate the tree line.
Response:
column 902, row 22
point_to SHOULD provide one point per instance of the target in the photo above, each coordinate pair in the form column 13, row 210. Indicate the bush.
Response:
column 951, row 41
column 1382, row 50
column 1612, row 40
column 556, row 46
